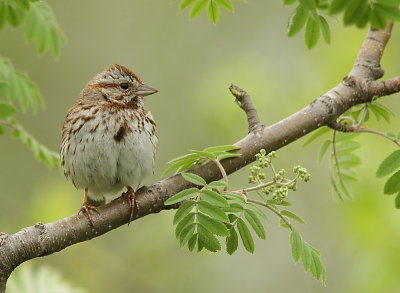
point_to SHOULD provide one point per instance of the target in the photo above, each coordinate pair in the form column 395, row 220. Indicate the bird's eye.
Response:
column 124, row 85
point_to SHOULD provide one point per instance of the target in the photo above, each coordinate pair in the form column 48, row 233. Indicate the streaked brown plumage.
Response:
column 108, row 138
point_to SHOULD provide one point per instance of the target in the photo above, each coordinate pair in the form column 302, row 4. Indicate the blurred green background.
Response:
column 192, row 63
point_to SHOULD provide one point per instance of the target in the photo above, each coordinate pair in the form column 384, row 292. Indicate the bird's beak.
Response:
column 145, row 90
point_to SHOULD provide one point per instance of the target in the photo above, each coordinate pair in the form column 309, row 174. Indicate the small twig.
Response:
column 245, row 103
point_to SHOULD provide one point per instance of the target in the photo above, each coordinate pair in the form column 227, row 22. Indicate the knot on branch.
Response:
column 243, row 99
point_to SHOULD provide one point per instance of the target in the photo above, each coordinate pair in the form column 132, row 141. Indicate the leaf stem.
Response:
column 378, row 133
column 223, row 172
column 275, row 211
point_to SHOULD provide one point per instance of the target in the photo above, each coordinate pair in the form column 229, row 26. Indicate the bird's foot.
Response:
column 130, row 195
column 85, row 209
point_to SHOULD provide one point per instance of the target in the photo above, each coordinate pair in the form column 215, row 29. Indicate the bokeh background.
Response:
column 192, row 63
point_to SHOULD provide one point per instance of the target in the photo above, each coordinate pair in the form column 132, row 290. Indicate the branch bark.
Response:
column 358, row 87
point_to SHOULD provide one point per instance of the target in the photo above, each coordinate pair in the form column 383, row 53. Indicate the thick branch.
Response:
column 45, row 239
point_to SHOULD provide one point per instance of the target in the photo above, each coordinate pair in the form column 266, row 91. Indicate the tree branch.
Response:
column 45, row 239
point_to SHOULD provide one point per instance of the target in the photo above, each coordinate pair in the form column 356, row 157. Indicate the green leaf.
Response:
column 389, row 12
column 380, row 111
column 207, row 239
column 3, row 14
column 14, row 15
column 292, row 216
column 188, row 219
column 389, row 164
column 182, row 195
column 43, row 154
column 192, row 242
column 201, row 154
column 362, row 22
column 324, row 148
column 186, row 3
column 296, row 242
column 193, row 178
column 213, row 11
column 394, row 3
column 310, row 4
column 227, row 156
column 186, row 233
column 225, row 4
column 377, row 19
column 23, row 4
column 317, row 133
column 312, row 32
column 183, row 210
column 245, row 234
column 221, row 148
column 306, row 255
column 217, row 185
column 200, row 245
column 42, row 29
column 234, row 197
column 6, row 110
column 19, row 87
column 397, row 201
column 316, row 266
column 1, row 130
column 349, row 158
column 288, row 2
column 255, row 223
column 326, row 32
column 233, row 208
column 337, row 6
column 214, row 198
column 283, row 224
column 197, row 8
column 184, row 159
column 393, row 184
column 232, row 242
column 354, row 11
column 213, row 226
column 255, row 208
column 213, row 212
column 347, row 146
column 297, row 20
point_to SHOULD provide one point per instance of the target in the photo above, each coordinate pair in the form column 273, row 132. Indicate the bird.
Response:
column 109, row 139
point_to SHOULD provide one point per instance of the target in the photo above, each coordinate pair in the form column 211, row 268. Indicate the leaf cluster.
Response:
column 213, row 7
column 17, row 90
column 39, row 23
column 210, row 214
column 312, row 14
column 309, row 13
column 343, row 147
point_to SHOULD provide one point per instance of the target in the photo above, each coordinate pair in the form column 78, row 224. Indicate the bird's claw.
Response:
column 130, row 195
column 85, row 209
